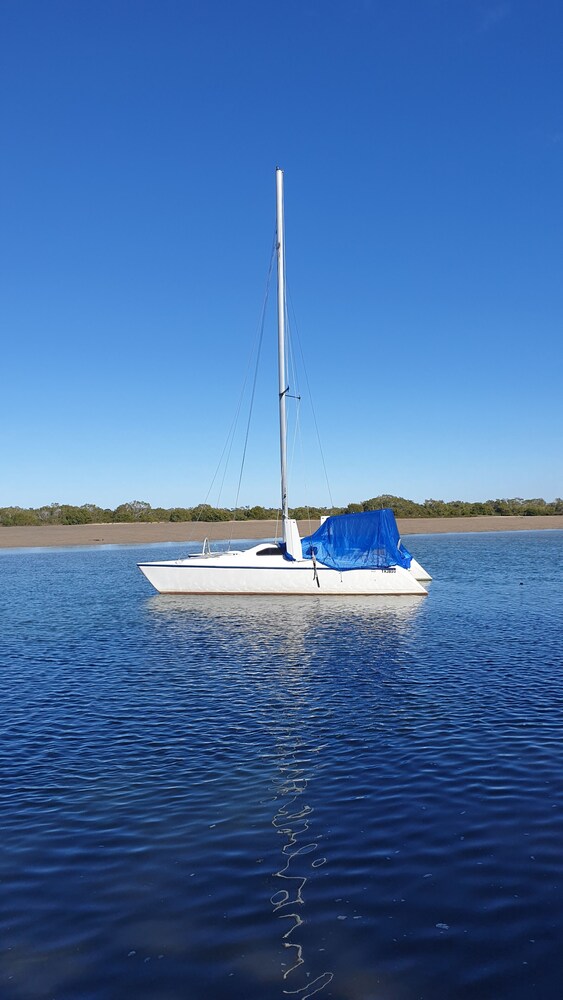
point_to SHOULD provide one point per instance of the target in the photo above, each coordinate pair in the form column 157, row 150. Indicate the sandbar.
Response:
column 141, row 533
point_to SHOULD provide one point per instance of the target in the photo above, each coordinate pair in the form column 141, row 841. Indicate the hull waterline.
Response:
column 249, row 573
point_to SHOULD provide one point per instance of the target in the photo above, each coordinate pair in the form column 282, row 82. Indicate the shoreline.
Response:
column 152, row 532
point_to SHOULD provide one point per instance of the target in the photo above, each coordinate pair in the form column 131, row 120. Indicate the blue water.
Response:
column 358, row 799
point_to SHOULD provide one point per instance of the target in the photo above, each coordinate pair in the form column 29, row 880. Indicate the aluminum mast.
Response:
column 283, row 387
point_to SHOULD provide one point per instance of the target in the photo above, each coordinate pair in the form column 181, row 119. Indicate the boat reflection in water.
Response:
column 286, row 664
column 287, row 615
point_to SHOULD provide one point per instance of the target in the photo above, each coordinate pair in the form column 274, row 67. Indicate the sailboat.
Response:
column 360, row 554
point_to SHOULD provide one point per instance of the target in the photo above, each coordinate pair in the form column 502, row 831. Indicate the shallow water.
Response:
column 246, row 798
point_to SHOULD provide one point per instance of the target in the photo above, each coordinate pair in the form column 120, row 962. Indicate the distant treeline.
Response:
column 138, row 510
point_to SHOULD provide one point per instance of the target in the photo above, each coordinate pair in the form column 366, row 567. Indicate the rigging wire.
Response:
column 256, row 366
column 298, row 437
column 293, row 381
column 227, row 447
column 229, row 443
column 308, row 384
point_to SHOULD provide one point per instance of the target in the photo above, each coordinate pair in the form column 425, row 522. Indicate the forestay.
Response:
column 358, row 541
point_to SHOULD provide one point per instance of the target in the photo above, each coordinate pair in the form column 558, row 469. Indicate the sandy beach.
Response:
column 62, row 535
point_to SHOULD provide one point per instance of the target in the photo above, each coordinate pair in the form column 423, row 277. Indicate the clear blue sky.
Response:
column 422, row 142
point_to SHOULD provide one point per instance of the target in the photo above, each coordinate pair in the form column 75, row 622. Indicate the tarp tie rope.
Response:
column 315, row 572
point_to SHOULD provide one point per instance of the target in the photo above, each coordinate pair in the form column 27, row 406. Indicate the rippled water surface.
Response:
column 215, row 798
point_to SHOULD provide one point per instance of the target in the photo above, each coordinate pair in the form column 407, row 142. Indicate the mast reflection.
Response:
column 292, row 822
column 274, row 659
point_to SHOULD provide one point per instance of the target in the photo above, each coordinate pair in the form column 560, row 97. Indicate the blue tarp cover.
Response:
column 358, row 541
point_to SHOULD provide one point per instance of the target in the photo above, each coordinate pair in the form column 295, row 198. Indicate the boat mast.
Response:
column 281, row 341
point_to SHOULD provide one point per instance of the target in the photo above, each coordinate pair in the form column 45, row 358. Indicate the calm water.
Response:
column 243, row 798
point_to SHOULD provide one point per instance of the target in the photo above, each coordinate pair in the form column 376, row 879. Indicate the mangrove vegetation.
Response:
column 139, row 510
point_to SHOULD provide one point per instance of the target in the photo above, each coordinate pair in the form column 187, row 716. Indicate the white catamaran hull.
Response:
column 252, row 573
